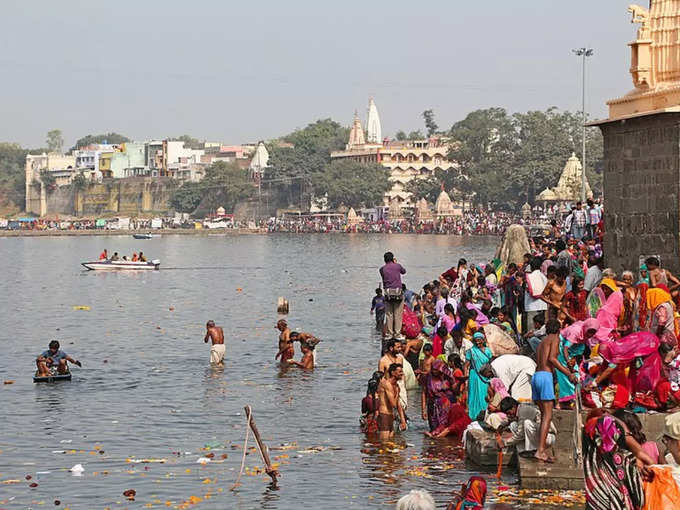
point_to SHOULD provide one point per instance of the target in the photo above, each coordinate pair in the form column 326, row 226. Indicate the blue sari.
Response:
column 477, row 385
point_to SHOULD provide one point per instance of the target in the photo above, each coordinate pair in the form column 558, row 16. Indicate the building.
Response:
column 568, row 190
column 61, row 168
column 641, row 182
column 406, row 160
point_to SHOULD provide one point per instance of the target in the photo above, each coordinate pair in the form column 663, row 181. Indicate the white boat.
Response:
column 121, row 265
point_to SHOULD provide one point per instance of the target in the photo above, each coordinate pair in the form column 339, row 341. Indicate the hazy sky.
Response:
column 238, row 71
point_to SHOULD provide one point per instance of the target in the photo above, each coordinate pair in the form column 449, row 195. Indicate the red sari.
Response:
column 576, row 304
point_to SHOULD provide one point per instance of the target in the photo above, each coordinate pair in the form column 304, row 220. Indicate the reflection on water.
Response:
column 146, row 404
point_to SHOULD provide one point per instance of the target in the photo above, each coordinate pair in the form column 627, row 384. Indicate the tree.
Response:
column 12, row 175
column 187, row 197
column 352, row 183
column 483, row 144
column 430, row 124
column 113, row 138
column 48, row 180
column 400, row 136
column 224, row 185
column 55, row 141
column 190, row 142
column 292, row 170
column 416, row 135
column 427, row 188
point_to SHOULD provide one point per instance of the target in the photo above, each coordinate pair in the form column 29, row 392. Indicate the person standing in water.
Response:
column 286, row 350
column 388, row 402
column 217, row 350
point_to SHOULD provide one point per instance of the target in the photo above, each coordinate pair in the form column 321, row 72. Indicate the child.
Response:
column 534, row 337
column 439, row 340
column 369, row 408
column 426, row 362
column 378, row 305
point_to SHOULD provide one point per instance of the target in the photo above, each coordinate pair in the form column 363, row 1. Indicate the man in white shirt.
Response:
column 536, row 282
column 515, row 371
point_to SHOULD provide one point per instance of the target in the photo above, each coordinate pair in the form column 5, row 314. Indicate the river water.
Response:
column 146, row 390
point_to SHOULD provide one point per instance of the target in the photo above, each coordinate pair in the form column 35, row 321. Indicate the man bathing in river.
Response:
column 217, row 351
column 286, row 350
column 307, row 361
column 54, row 357
column 542, row 387
column 388, row 401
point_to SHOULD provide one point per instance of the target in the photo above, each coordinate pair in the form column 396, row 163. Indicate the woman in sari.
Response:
column 439, row 392
column 472, row 496
column 573, row 340
column 662, row 321
column 628, row 320
column 477, row 357
column 610, row 465
column 574, row 301
column 608, row 315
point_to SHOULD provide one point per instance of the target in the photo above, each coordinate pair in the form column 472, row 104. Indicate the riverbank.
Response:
column 201, row 232
column 164, row 231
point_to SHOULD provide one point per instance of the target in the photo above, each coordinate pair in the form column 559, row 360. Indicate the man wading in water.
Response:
column 218, row 349
column 542, row 387
column 388, row 401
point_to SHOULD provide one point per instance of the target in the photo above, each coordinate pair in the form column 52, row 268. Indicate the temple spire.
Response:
column 356, row 133
column 373, row 128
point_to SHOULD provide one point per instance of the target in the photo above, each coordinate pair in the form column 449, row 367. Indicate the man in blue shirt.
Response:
column 54, row 357
column 378, row 306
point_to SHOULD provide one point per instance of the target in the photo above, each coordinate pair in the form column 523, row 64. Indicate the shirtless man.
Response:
column 307, row 361
column 554, row 291
column 388, row 401
column 658, row 276
column 217, row 351
column 286, row 350
column 542, row 388
column 393, row 355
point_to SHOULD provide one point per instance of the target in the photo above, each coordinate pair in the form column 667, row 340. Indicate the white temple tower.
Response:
column 373, row 129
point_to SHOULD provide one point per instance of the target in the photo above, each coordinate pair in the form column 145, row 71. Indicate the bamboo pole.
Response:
column 273, row 473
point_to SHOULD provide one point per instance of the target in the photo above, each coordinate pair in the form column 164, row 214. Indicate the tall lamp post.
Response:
column 585, row 53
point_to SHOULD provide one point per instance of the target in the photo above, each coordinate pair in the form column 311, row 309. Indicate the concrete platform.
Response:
column 563, row 475
column 482, row 450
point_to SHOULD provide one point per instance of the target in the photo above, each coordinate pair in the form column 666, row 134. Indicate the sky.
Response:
column 242, row 71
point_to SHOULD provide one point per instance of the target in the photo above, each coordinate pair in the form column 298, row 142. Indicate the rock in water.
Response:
column 514, row 245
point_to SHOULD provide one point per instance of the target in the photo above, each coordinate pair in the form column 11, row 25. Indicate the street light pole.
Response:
column 585, row 53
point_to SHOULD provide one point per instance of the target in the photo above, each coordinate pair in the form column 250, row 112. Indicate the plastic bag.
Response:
column 662, row 491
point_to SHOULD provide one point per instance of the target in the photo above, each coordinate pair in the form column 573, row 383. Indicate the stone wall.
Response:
column 641, row 183
column 128, row 197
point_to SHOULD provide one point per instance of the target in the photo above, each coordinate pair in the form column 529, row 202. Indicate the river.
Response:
column 147, row 392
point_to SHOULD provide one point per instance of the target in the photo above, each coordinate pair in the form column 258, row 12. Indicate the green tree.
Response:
column 79, row 182
column 427, row 188
column 189, row 142
column 12, row 176
column 187, row 197
column 430, row 124
column 55, row 141
column 292, row 171
column 416, row 135
column 400, row 136
column 113, row 138
column 483, row 144
column 352, row 183
column 224, row 185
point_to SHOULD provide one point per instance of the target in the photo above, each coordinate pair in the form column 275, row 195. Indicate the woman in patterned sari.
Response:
column 478, row 385
column 610, row 465
column 439, row 392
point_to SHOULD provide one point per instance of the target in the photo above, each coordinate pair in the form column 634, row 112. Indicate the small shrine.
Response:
column 423, row 211
column 443, row 207
column 352, row 217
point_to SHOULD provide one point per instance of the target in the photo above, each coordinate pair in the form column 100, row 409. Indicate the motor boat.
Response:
column 144, row 236
column 121, row 265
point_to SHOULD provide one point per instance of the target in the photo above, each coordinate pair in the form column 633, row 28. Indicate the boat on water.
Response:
column 121, row 265
column 53, row 377
column 145, row 236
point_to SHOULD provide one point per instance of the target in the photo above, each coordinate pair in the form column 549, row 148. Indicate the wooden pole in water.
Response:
column 273, row 473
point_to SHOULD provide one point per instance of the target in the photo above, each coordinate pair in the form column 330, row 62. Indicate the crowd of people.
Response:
column 469, row 223
column 497, row 347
